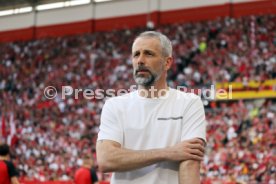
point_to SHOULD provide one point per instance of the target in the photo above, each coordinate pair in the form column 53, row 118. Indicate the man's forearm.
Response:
column 112, row 157
column 14, row 180
column 189, row 172
column 124, row 160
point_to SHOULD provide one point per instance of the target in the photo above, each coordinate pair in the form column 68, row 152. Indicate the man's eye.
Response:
column 149, row 53
column 135, row 55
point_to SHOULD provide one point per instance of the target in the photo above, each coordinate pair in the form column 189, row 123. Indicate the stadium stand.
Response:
column 51, row 135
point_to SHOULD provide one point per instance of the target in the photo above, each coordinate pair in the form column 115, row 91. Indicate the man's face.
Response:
column 148, row 61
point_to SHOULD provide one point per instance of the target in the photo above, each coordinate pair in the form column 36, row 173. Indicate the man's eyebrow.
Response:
column 151, row 51
column 145, row 51
column 135, row 52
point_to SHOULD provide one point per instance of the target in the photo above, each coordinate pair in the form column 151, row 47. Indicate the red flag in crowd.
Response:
column 3, row 127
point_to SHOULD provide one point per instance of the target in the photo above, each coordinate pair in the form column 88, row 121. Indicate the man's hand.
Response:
column 192, row 149
column 189, row 168
column 14, row 180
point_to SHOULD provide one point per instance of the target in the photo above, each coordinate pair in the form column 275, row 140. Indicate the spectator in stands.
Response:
column 8, row 173
column 86, row 174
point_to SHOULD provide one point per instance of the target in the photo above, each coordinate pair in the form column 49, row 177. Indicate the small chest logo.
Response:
column 170, row 118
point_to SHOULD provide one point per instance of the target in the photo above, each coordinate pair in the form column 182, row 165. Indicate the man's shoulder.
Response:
column 181, row 95
column 8, row 163
column 122, row 98
column 82, row 170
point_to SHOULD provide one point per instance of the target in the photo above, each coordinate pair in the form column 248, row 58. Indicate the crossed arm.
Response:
column 112, row 157
column 14, row 180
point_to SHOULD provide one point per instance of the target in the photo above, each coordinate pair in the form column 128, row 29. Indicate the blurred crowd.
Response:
column 52, row 135
column 241, row 143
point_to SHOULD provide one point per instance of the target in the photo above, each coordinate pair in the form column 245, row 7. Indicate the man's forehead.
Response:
column 145, row 43
column 146, row 39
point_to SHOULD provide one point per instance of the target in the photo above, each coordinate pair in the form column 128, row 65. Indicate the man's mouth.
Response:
column 142, row 71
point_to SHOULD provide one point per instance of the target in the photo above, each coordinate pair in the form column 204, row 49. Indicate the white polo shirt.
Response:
column 140, row 123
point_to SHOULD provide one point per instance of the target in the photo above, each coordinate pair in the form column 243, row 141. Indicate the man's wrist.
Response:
column 166, row 154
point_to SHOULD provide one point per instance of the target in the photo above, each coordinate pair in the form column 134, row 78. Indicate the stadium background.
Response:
column 87, row 46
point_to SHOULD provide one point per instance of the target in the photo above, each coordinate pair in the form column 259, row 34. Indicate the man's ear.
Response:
column 169, row 61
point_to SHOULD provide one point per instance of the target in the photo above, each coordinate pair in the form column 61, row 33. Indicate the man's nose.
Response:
column 141, row 60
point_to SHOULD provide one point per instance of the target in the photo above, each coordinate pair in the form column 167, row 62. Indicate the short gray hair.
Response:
column 166, row 44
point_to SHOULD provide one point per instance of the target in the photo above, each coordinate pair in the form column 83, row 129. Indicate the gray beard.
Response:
column 145, row 81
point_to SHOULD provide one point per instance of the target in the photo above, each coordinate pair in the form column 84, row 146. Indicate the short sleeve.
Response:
column 194, row 122
column 11, row 169
column 110, row 127
column 94, row 176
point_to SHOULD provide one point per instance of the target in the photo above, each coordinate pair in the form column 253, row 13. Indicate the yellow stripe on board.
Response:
column 240, row 85
column 228, row 95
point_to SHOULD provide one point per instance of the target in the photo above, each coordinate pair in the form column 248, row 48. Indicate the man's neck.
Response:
column 4, row 158
column 86, row 166
column 154, row 91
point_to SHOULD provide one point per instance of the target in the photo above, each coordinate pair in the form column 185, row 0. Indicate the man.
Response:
column 86, row 174
column 8, row 172
column 155, row 134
